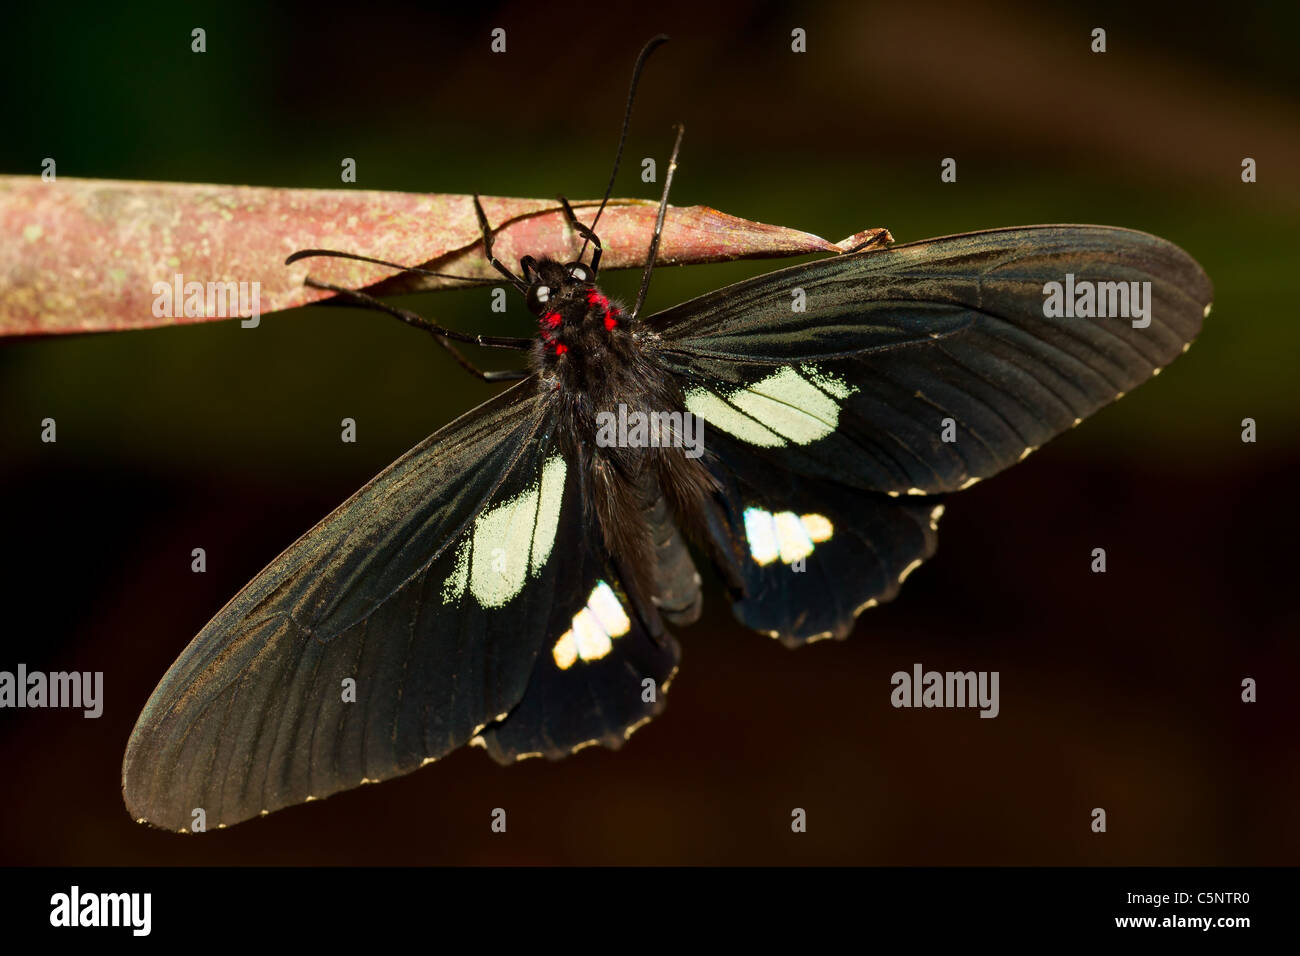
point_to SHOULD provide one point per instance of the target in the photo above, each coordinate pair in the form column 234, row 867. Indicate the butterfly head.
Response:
column 568, row 306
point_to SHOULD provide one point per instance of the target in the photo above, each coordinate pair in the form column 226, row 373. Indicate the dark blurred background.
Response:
column 1119, row 691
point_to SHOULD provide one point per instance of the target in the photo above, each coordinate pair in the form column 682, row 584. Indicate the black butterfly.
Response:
column 509, row 581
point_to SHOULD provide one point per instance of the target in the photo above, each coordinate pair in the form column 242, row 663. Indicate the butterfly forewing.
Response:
column 391, row 633
column 856, row 387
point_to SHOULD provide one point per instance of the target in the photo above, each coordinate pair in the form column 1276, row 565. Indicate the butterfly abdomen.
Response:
column 676, row 581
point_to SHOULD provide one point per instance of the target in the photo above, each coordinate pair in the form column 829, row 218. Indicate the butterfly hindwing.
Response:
column 603, row 672
column 893, row 347
column 810, row 555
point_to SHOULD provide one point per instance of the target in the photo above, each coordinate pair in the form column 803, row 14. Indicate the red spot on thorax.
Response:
column 560, row 348
column 549, row 323
column 598, row 301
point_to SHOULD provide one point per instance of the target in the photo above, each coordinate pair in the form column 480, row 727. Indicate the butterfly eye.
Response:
column 538, row 297
column 579, row 271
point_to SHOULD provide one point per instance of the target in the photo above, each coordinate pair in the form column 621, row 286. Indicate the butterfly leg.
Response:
column 502, row 375
column 419, row 321
column 587, row 235
column 487, row 248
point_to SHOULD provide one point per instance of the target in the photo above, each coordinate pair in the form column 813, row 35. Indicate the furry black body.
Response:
column 646, row 499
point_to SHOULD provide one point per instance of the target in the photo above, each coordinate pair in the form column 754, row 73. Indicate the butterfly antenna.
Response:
column 644, row 55
column 309, row 253
column 653, row 252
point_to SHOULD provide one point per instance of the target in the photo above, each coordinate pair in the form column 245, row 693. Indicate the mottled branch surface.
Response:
column 84, row 255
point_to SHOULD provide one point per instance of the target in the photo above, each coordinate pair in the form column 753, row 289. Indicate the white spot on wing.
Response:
column 760, row 530
column 793, row 541
column 565, row 651
column 594, row 629
column 501, row 537
column 719, row 414
column 827, row 382
column 490, row 558
column 908, row 570
column 548, row 512
column 784, row 535
column 603, row 603
column 819, row 527
column 790, row 405
column 454, row 586
column 784, row 406
column 593, row 643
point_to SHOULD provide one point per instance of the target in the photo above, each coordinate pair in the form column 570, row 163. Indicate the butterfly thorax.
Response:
column 577, row 323
column 590, row 351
